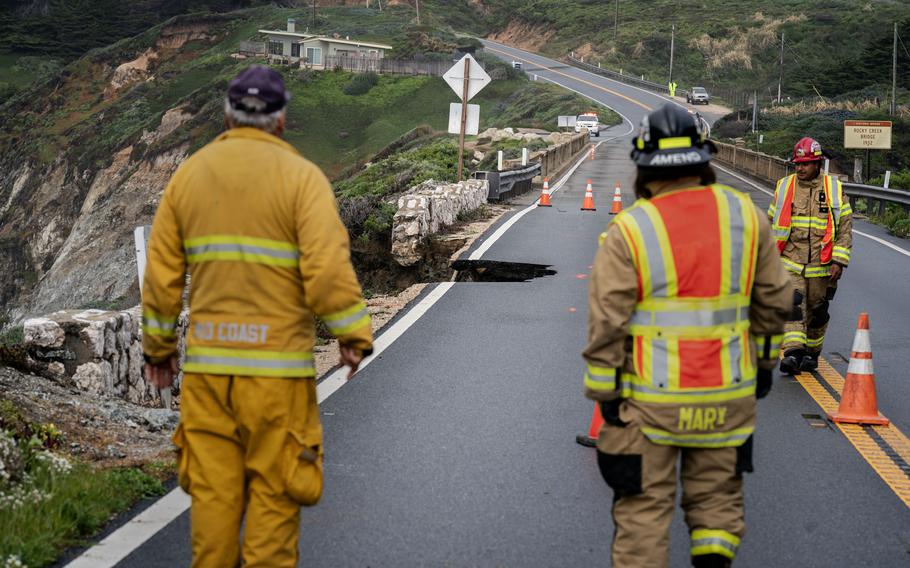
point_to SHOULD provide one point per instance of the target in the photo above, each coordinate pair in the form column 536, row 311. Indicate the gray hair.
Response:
column 267, row 122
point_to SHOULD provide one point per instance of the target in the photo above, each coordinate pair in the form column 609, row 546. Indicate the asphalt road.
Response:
column 456, row 446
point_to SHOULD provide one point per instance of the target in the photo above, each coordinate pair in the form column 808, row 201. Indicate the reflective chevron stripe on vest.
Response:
column 782, row 219
column 695, row 252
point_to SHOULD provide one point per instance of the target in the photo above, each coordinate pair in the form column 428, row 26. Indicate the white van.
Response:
column 590, row 121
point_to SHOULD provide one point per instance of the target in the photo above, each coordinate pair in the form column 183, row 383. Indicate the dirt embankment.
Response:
column 523, row 35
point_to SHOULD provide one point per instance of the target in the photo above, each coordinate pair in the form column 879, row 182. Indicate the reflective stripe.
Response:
column 774, row 351
column 793, row 267
column 242, row 249
column 645, row 319
column 156, row 324
column 809, row 222
column 860, row 367
column 632, row 387
column 737, row 237
column 675, row 142
column 600, row 378
column 783, row 197
column 249, row 362
column 815, row 342
column 714, row 440
column 841, row 253
column 791, row 337
column 346, row 321
column 818, row 271
column 708, row 541
column 651, row 251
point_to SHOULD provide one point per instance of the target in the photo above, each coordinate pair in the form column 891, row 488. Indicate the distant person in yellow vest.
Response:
column 256, row 226
column 672, row 88
column 687, row 303
column 813, row 227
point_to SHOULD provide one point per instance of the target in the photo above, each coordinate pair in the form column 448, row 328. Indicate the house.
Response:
column 285, row 44
column 322, row 52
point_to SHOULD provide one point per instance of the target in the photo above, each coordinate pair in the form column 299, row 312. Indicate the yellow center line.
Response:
column 867, row 447
column 590, row 84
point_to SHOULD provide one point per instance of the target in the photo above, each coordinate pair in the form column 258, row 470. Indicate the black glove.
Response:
column 764, row 380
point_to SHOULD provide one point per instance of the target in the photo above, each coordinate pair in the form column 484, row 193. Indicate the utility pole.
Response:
column 780, row 80
column 417, row 2
column 754, row 110
column 672, row 44
column 314, row 15
column 616, row 23
column 894, row 74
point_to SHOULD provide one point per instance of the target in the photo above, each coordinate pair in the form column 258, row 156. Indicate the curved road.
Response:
column 454, row 447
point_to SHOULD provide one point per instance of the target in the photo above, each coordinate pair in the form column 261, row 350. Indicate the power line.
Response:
column 902, row 45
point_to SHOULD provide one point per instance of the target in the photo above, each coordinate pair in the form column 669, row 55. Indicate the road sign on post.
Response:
column 867, row 134
column 466, row 78
column 472, row 124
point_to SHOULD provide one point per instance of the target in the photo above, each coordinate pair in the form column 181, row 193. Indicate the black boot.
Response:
column 711, row 561
column 809, row 363
column 791, row 362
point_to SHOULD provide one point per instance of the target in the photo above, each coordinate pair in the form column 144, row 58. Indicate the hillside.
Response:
column 85, row 153
column 834, row 47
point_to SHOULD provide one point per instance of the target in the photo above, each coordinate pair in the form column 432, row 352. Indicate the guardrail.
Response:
column 772, row 168
column 509, row 183
column 628, row 79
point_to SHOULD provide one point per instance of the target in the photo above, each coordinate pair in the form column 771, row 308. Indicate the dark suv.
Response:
column 697, row 95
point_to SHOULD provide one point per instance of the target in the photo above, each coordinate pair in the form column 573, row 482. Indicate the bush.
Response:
column 901, row 228
column 361, row 84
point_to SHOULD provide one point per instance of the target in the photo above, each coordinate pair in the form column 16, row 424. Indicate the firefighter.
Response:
column 256, row 226
column 687, row 302
column 813, row 226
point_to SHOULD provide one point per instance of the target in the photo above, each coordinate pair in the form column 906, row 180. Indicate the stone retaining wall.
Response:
column 426, row 209
column 96, row 351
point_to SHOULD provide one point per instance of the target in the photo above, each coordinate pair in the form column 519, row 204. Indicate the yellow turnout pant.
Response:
column 248, row 446
column 643, row 478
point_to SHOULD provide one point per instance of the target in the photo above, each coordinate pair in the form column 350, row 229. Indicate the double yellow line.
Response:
column 566, row 75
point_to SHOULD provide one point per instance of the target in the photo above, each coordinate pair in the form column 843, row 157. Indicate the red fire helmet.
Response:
column 807, row 150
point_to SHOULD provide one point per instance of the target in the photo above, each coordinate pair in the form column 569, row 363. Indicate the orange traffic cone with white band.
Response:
column 617, row 200
column 545, row 194
column 588, row 203
column 858, row 402
column 597, row 420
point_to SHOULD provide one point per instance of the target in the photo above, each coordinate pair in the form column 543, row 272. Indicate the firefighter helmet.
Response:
column 671, row 137
column 808, row 150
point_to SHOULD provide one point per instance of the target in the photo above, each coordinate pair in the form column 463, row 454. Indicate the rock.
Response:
column 135, row 363
column 56, row 370
column 479, row 156
column 43, row 332
column 110, row 342
column 508, row 130
column 90, row 377
column 93, row 337
column 158, row 419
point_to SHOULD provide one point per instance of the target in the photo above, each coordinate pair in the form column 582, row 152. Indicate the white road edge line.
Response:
column 879, row 240
column 123, row 541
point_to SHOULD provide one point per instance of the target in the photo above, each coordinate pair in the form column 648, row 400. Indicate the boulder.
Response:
column 43, row 332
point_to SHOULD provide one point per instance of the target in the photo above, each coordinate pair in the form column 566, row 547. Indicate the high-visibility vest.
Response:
column 694, row 251
column 783, row 220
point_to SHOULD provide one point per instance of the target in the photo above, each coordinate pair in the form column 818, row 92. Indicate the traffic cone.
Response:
column 617, row 200
column 597, row 420
column 545, row 194
column 591, row 154
column 588, row 203
column 858, row 403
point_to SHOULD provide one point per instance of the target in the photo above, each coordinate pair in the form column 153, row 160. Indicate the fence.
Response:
column 252, row 48
column 388, row 66
column 554, row 160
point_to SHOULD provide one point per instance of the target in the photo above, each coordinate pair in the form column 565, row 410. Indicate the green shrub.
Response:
column 361, row 84
column 901, row 228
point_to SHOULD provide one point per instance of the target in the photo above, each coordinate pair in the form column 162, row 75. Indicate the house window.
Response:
column 374, row 53
column 276, row 48
column 314, row 55
column 295, row 50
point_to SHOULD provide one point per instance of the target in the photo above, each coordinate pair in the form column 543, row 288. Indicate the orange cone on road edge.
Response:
column 858, row 402
column 588, row 203
column 545, row 194
column 597, row 420
column 617, row 200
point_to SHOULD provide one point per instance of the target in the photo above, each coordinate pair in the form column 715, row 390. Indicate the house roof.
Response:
column 347, row 42
column 285, row 33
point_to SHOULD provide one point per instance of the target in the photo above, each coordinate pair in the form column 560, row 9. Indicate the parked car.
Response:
column 590, row 121
column 698, row 95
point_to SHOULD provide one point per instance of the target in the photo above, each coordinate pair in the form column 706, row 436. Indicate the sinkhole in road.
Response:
column 499, row 271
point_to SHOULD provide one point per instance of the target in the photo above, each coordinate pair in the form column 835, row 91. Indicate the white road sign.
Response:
column 566, row 121
column 867, row 134
column 473, row 124
column 477, row 77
